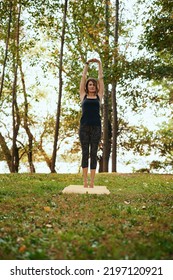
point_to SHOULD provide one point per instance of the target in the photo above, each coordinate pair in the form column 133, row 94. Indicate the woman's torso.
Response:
column 91, row 111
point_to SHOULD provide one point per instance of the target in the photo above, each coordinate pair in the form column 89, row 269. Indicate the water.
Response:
column 41, row 167
column 74, row 167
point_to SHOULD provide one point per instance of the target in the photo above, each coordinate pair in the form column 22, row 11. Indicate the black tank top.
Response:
column 91, row 111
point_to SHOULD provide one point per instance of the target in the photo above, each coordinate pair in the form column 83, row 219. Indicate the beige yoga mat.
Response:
column 81, row 189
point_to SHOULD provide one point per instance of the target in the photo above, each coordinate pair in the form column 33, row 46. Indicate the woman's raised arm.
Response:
column 100, row 80
column 83, row 81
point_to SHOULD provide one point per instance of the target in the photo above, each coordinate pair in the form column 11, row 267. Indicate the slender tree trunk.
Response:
column 106, row 94
column 114, row 99
column 15, row 110
column 60, row 92
column 31, row 138
column 6, row 151
column 26, row 125
column 6, row 49
column 105, row 132
column 44, row 154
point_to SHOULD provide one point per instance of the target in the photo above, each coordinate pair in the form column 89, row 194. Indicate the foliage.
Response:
column 164, row 144
column 159, row 26
column 158, row 36
column 39, row 222
column 139, row 139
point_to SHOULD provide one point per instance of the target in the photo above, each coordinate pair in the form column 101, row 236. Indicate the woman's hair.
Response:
column 95, row 82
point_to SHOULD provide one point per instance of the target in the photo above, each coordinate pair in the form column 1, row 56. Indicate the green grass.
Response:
column 134, row 222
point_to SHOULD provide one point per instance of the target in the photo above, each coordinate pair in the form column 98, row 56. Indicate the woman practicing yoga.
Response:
column 91, row 93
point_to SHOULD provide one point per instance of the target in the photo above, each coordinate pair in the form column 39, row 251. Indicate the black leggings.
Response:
column 89, row 138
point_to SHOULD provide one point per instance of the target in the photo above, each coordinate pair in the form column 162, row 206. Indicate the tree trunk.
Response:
column 44, row 154
column 106, row 93
column 100, row 159
column 26, row 125
column 15, row 110
column 114, row 128
column 6, row 151
column 114, row 99
column 105, row 132
column 60, row 93
column 31, row 138
column 6, row 49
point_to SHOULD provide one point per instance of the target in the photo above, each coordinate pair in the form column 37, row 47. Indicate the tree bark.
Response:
column 26, row 125
column 60, row 93
column 106, row 93
column 114, row 98
column 6, row 50
column 6, row 151
column 44, row 154
column 15, row 109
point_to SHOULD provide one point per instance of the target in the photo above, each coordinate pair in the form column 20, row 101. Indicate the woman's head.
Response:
column 91, row 86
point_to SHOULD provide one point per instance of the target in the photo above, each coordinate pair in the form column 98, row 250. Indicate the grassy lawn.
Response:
column 39, row 222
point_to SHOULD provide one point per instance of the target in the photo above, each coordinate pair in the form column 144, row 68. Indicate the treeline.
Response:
column 43, row 47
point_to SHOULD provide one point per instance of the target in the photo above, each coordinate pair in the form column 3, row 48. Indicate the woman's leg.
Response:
column 93, row 163
column 93, row 172
column 85, row 157
column 85, row 177
column 95, row 139
column 84, row 140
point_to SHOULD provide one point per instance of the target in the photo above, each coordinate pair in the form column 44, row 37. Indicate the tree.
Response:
column 157, row 38
column 7, row 47
column 26, row 122
column 60, row 91
column 15, row 109
column 106, row 62
column 158, row 34
column 164, row 144
column 114, row 93
column 6, row 152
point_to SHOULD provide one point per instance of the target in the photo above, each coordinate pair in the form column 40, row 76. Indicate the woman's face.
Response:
column 91, row 87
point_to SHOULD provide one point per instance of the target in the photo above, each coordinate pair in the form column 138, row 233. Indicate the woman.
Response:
column 91, row 94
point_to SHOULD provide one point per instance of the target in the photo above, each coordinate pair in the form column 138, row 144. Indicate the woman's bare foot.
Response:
column 85, row 184
column 91, row 185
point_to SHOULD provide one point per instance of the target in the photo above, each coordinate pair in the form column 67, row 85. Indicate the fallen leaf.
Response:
column 126, row 202
column 20, row 239
column 47, row 209
column 22, row 249
column 49, row 226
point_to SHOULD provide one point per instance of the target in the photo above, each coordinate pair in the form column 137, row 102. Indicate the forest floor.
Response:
column 39, row 222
